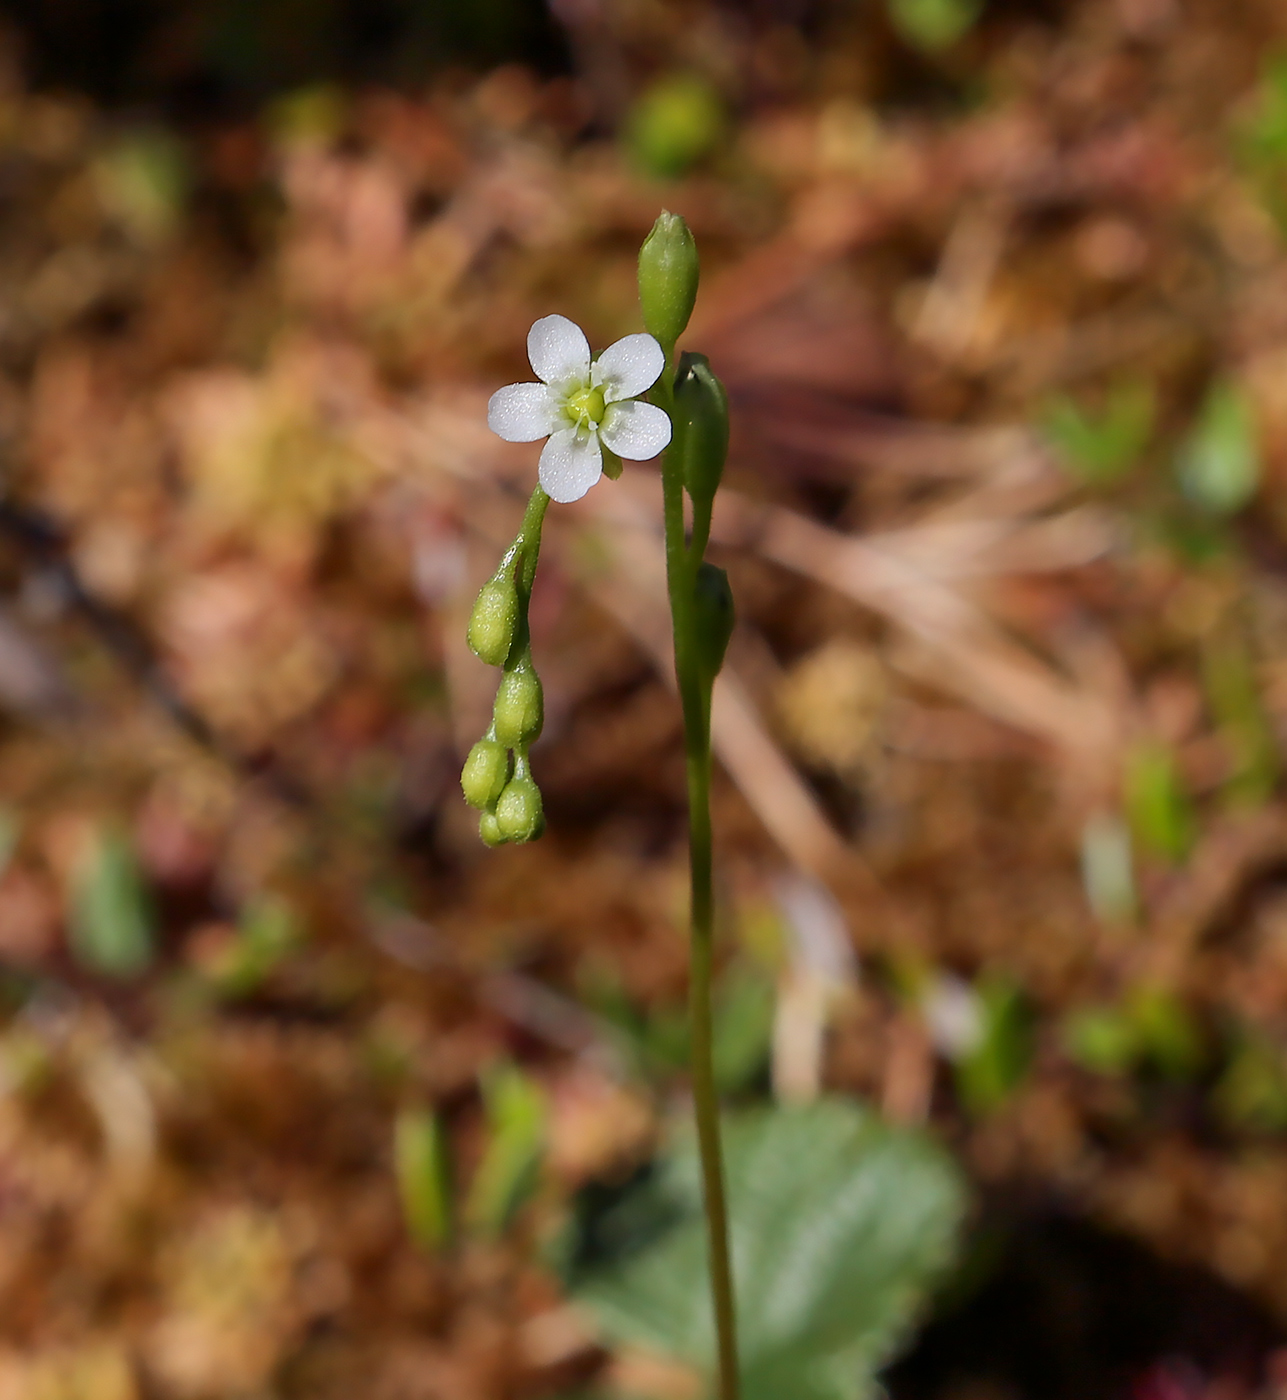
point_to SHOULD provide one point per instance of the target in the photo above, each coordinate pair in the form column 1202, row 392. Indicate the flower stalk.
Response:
column 701, row 616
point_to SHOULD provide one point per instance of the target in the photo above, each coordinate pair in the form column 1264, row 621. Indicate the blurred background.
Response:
column 306, row 1094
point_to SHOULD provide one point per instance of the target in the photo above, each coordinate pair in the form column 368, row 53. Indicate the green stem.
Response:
column 701, row 533
column 681, row 571
column 524, row 553
column 529, row 538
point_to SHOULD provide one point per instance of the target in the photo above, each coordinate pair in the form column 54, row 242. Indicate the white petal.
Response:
column 558, row 350
column 629, row 367
column 522, row 412
column 635, row 430
column 571, row 462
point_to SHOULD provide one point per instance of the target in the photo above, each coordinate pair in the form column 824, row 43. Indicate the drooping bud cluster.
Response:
column 577, row 402
column 496, row 777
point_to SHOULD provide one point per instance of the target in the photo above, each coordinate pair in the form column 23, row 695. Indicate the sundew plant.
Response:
column 592, row 412
column 838, row 1222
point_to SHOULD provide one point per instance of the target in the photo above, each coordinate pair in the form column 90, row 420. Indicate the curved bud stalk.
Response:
column 499, row 635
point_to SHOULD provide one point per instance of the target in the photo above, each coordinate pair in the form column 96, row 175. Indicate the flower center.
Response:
column 585, row 406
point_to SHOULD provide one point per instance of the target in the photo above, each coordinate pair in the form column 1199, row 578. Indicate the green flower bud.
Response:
column 490, row 831
column 700, row 418
column 494, row 620
column 485, row 773
column 713, row 618
column 519, row 711
column 668, row 271
column 519, row 813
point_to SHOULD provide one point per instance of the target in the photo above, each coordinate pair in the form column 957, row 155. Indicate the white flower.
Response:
column 579, row 404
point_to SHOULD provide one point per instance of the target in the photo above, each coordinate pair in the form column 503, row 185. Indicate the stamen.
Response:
column 586, row 406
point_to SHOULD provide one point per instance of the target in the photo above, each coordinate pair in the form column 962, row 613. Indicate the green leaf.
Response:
column 142, row 180
column 934, row 24
column 1151, row 1025
column 1165, row 1031
column 743, row 1031
column 511, row 1163
column 10, row 835
column 991, row 1071
column 111, row 916
column 655, row 1042
column 267, row 934
column 1261, row 138
column 1100, row 448
column 1102, row 1039
column 1252, row 1092
column 1219, row 464
column 1234, row 697
column 839, row 1225
column 1160, row 813
column 424, row 1176
column 313, row 115
column 1107, row 869
column 1264, row 134
column 1197, row 541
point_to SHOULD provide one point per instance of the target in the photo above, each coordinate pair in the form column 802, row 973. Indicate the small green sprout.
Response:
column 932, row 25
column 1219, row 464
column 1101, row 448
column 1161, row 815
column 424, row 1176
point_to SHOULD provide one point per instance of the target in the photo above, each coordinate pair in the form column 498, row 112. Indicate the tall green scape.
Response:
column 701, row 610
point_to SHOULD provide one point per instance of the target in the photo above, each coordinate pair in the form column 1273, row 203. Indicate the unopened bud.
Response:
column 519, row 711
column 493, row 621
column 668, row 272
column 519, row 813
column 700, row 419
column 713, row 617
column 489, row 830
column 485, row 773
